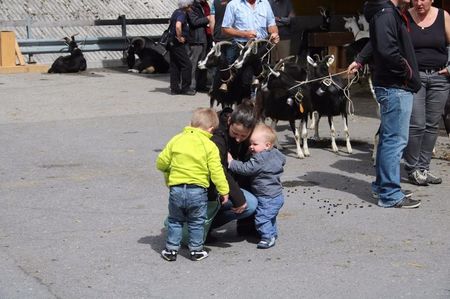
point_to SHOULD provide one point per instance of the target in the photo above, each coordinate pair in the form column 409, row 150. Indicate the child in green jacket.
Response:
column 189, row 161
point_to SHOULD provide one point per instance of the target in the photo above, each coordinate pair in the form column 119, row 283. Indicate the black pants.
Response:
column 180, row 67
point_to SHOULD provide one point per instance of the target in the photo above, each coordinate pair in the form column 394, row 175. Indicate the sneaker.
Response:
column 408, row 194
column 199, row 255
column 408, row 203
column 189, row 92
column 431, row 178
column 175, row 91
column 418, row 177
column 265, row 244
column 169, row 255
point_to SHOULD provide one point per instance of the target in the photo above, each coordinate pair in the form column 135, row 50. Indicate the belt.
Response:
column 188, row 186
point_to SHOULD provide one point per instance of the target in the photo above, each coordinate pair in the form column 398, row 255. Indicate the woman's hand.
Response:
column 240, row 209
column 444, row 72
column 230, row 158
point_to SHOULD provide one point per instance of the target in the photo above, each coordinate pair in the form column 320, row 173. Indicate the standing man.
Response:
column 283, row 11
column 180, row 65
column 395, row 79
column 245, row 20
column 197, row 40
column 248, row 19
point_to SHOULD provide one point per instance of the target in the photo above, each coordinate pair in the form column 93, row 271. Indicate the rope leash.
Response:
column 345, row 90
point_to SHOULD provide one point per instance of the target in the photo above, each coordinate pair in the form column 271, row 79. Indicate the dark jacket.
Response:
column 197, row 24
column 265, row 169
column 220, row 7
column 390, row 47
column 239, row 151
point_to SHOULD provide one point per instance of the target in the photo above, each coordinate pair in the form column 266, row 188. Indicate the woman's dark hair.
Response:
column 244, row 115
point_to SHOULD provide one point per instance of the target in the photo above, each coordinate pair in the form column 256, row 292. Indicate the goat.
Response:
column 226, row 89
column 304, row 48
column 152, row 58
column 363, row 22
column 327, row 97
column 281, row 98
column 72, row 63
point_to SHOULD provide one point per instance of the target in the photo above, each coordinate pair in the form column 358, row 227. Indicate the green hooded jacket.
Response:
column 192, row 158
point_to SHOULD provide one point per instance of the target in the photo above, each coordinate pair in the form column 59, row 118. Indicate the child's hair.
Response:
column 267, row 131
column 204, row 118
column 244, row 115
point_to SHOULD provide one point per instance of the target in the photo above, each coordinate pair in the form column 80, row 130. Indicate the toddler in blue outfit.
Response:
column 265, row 168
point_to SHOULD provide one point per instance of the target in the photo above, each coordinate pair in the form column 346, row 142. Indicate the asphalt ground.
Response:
column 82, row 205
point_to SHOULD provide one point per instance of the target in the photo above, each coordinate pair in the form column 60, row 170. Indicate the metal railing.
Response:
column 32, row 46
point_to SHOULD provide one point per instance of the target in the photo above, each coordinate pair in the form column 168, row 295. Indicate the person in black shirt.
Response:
column 180, row 65
column 283, row 12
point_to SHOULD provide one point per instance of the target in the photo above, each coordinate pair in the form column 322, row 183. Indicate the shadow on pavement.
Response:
column 157, row 243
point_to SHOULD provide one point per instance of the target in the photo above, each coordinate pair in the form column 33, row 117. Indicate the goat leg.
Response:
column 297, row 142
column 332, row 134
column 304, row 130
column 316, row 127
column 347, row 135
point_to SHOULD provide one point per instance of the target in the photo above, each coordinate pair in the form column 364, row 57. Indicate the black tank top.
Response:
column 430, row 43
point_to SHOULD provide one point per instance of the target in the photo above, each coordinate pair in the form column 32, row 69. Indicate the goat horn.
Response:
column 276, row 74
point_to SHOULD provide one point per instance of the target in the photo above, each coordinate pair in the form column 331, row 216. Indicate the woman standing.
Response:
column 180, row 65
column 430, row 35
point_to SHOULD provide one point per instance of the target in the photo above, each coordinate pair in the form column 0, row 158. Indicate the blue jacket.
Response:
column 265, row 168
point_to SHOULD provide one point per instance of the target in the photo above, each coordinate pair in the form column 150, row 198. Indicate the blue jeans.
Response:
column 395, row 107
column 226, row 215
column 266, row 216
column 187, row 203
column 429, row 103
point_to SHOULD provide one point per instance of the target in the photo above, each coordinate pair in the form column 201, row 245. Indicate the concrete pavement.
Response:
column 82, row 205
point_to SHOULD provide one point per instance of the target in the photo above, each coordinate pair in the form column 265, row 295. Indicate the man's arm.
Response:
column 179, row 32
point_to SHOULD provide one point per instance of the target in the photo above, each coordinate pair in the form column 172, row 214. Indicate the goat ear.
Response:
column 346, row 19
column 330, row 60
column 311, row 61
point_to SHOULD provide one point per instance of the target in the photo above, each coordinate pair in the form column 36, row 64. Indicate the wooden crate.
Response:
column 7, row 49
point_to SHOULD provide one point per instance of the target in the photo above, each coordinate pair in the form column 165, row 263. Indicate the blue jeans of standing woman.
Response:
column 395, row 108
column 428, row 106
column 187, row 203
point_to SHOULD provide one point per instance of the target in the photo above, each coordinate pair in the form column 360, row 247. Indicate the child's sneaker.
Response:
column 169, row 255
column 265, row 244
column 199, row 255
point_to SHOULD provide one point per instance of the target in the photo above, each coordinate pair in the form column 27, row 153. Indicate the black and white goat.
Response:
column 72, row 63
column 281, row 97
column 329, row 97
column 226, row 88
column 152, row 57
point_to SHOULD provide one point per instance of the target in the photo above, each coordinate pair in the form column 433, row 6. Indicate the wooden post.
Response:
column 7, row 48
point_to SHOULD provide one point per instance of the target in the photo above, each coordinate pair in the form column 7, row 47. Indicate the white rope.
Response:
column 345, row 90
